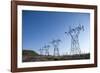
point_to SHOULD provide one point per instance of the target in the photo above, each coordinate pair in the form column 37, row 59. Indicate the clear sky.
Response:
column 39, row 28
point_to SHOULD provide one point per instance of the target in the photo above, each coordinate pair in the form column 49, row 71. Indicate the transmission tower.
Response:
column 46, row 48
column 55, row 44
column 41, row 51
column 74, row 34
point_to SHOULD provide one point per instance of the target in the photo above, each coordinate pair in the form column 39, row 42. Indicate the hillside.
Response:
column 32, row 56
column 29, row 52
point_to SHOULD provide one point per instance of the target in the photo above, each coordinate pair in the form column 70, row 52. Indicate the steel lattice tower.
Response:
column 46, row 47
column 41, row 51
column 74, row 34
column 55, row 44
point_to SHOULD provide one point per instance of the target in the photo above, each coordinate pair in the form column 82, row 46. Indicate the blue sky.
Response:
column 39, row 28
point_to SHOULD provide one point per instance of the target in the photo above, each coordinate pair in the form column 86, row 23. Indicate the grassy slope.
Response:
column 30, row 52
column 30, row 56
